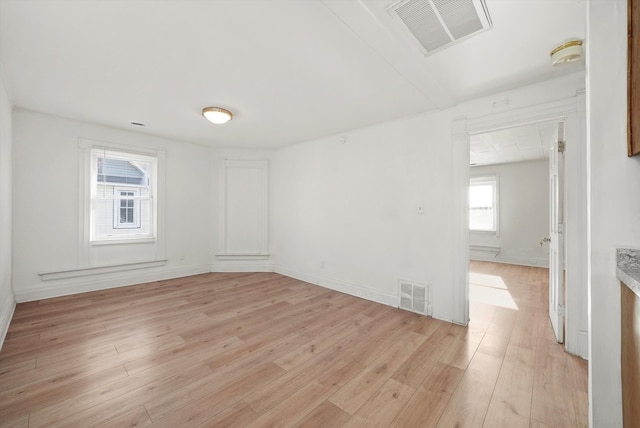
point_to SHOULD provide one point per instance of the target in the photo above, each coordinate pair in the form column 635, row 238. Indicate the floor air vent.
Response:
column 415, row 298
column 435, row 24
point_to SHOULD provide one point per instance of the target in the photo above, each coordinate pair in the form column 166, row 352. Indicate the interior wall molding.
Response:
column 543, row 112
column 243, row 199
column 99, row 270
column 65, row 287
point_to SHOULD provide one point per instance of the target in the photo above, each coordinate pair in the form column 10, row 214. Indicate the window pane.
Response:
column 122, row 206
column 482, row 206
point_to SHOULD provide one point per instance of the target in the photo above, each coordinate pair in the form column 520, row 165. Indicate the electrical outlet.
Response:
column 420, row 209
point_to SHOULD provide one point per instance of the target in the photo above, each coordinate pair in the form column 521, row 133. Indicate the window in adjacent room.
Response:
column 122, row 203
column 483, row 204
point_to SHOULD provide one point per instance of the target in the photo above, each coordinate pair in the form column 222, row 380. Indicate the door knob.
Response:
column 545, row 239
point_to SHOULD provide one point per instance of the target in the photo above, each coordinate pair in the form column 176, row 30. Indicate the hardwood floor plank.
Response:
column 415, row 369
column 20, row 420
column 382, row 407
column 114, row 397
column 323, row 342
column 237, row 415
column 262, row 349
column 358, row 390
column 297, row 406
column 200, row 410
column 511, row 400
column 469, row 403
column 423, row 410
column 325, row 415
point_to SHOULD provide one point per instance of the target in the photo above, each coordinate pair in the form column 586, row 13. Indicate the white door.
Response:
column 556, row 230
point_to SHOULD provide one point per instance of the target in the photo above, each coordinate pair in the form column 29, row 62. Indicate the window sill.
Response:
column 484, row 232
column 125, row 241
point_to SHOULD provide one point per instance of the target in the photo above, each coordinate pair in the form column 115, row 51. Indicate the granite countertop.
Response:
column 629, row 268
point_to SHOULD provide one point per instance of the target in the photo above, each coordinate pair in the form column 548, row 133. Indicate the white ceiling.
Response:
column 289, row 70
column 519, row 144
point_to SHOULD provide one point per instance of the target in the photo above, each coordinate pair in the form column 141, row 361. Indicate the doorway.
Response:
column 510, row 204
column 569, row 111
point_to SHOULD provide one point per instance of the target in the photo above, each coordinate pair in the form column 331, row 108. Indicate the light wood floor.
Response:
column 263, row 350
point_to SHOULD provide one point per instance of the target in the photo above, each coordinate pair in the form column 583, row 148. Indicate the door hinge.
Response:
column 561, row 146
column 562, row 310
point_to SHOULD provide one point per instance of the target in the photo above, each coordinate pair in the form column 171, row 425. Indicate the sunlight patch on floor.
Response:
column 490, row 289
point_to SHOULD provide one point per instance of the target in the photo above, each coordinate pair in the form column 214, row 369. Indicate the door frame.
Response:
column 572, row 111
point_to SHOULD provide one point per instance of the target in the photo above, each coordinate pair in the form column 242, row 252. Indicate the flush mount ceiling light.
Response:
column 565, row 53
column 217, row 115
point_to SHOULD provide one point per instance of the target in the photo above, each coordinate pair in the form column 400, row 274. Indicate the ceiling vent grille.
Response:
column 436, row 24
column 414, row 298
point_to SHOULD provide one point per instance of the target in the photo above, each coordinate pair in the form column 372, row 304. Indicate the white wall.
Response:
column 345, row 214
column 614, row 200
column 523, row 214
column 46, row 207
column 7, row 301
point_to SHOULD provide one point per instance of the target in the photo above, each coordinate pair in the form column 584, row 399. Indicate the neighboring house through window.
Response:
column 483, row 204
column 121, row 195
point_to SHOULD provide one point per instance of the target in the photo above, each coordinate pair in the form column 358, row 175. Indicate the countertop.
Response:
column 628, row 271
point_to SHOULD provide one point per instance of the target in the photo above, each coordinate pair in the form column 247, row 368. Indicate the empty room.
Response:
column 319, row 213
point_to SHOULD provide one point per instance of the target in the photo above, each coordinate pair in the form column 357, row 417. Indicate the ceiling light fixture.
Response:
column 217, row 115
column 565, row 53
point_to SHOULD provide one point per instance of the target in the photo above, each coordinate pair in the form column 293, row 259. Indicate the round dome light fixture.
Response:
column 567, row 52
column 217, row 115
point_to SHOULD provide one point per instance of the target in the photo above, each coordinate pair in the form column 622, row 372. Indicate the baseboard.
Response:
column 55, row 288
column 341, row 286
column 511, row 260
column 242, row 266
column 583, row 344
column 7, row 314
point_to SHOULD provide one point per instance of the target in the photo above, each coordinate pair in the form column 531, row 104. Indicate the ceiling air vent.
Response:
column 436, row 24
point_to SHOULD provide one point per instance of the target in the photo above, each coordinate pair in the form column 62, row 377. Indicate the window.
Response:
column 483, row 204
column 122, row 204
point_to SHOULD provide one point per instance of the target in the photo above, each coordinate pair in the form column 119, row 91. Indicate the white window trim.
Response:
column 495, row 180
column 85, row 243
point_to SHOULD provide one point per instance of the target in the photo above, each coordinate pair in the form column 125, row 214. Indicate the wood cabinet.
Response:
column 630, row 319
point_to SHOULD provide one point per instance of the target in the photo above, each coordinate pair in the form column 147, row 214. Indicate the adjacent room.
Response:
column 314, row 213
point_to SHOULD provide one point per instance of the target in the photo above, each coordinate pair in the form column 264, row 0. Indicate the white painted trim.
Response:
column 7, row 311
column 342, row 286
column 84, row 284
column 557, row 109
column 576, row 208
column 99, row 270
column 460, row 232
column 243, row 266
column 583, row 344
column 572, row 111
column 157, row 192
